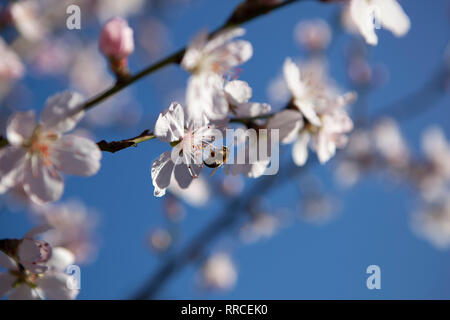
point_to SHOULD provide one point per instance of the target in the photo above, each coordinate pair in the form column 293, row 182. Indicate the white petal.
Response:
column 233, row 54
column 222, row 37
column 292, row 77
column 58, row 113
column 54, row 286
column 392, row 17
column 37, row 231
column 20, row 127
column 258, row 168
column 7, row 262
column 288, row 122
column 42, row 183
column 61, row 259
column 170, row 124
column 252, row 109
column 161, row 173
column 361, row 13
column 194, row 51
column 12, row 163
column 24, row 292
column 307, row 109
column 238, row 92
column 183, row 174
column 300, row 149
column 76, row 155
column 205, row 96
column 6, row 283
column 325, row 147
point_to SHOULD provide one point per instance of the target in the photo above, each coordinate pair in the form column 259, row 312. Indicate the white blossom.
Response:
column 39, row 151
column 238, row 94
column 219, row 272
column 388, row 13
column 209, row 60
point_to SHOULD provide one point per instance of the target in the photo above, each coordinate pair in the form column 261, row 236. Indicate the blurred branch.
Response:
column 115, row 146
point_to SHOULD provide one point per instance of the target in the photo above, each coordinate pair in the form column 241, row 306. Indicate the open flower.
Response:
column 188, row 139
column 209, row 60
column 38, row 151
column 35, row 270
column 388, row 13
column 325, row 122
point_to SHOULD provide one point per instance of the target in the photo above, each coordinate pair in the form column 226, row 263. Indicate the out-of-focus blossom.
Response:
column 11, row 67
column 325, row 121
column 38, row 151
column 261, row 226
column 219, row 272
column 107, row 9
column 72, row 228
column 433, row 223
column 188, row 139
column 160, row 240
column 232, row 185
column 173, row 209
column 196, row 195
column 209, row 60
column 53, row 56
column 371, row 14
column 24, row 16
column 314, row 35
column 34, row 270
column 238, row 94
column 389, row 142
column 156, row 39
column 116, row 39
column 318, row 209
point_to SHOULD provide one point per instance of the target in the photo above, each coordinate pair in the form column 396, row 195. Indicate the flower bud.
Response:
column 117, row 43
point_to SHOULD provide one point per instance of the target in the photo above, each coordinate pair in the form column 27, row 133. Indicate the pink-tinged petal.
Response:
column 20, row 127
column 34, row 251
column 252, row 109
column 42, row 183
column 223, row 37
column 233, row 54
column 61, row 259
column 54, row 287
column 6, row 262
column 362, row 15
column 293, row 78
column 6, row 283
column 12, row 164
column 170, row 124
column 58, row 114
column 205, row 96
column 300, row 149
column 392, row 17
column 289, row 122
column 76, row 155
column 238, row 92
column 194, row 52
column 24, row 292
column 161, row 173
column 324, row 146
column 116, row 39
column 307, row 109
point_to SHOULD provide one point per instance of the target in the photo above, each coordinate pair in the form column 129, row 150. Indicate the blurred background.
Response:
column 307, row 234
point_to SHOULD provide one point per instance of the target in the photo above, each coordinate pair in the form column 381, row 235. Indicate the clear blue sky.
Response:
column 301, row 261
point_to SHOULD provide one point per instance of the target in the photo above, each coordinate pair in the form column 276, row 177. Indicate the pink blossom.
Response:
column 116, row 39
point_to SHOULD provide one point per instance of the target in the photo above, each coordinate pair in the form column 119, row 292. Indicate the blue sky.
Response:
column 302, row 261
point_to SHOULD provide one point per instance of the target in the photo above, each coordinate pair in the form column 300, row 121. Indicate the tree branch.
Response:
column 115, row 146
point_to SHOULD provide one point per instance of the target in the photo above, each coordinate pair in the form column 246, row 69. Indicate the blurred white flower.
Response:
column 24, row 16
column 314, row 35
column 38, row 151
column 219, row 272
column 196, row 195
column 72, row 228
column 209, row 60
column 261, row 226
column 11, row 67
column 390, row 143
column 188, row 139
column 366, row 14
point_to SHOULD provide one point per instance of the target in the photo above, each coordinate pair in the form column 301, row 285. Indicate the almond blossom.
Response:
column 219, row 272
column 238, row 94
column 209, row 60
column 35, row 270
column 388, row 13
column 38, row 151
column 324, row 122
column 189, row 139
column 11, row 67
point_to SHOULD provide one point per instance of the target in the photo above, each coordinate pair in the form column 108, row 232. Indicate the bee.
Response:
column 217, row 158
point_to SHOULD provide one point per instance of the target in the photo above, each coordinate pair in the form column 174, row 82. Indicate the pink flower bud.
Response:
column 116, row 39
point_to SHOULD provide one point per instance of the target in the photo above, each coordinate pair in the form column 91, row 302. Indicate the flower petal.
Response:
column 222, row 37
column 12, row 163
column 307, row 109
column 58, row 114
column 194, row 52
column 170, row 124
column 361, row 13
column 238, row 92
column 252, row 109
column 6, row 283
column 161, row 173
column 7, row 262
column 293, row 79
column 183, row 174
column 300, row 149
column 232, row 54
column 54, row 286
column 42, row 183
column 392, row 17
column 288, row 122
column 61, row 259
column 76, row 155
column 20, row 127
column 24, row 292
